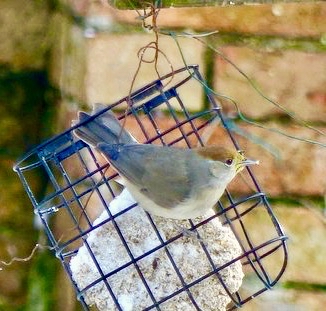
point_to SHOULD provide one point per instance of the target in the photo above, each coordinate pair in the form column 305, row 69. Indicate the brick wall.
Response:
column 90, row 55
column 281, row 47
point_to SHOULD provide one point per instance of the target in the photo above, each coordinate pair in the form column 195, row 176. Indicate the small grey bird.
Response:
column 165, row 181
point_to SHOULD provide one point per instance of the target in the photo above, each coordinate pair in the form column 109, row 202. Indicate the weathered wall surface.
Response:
column 91, row 56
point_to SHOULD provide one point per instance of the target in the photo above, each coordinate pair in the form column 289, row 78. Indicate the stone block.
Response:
column 67, row 64
column 299, row 168
column 304, row 228
column 113, row 61
column 295, row 80
column 287, row 300
column 284, row 19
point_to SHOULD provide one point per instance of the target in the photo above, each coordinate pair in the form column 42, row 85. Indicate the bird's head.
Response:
column 234, row 160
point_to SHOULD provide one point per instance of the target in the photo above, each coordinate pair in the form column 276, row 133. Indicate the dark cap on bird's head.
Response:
column 226, row 156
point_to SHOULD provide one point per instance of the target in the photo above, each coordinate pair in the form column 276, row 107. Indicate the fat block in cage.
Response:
column 120, row 257
column 166, row 270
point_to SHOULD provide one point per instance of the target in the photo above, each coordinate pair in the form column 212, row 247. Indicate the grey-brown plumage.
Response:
column 138, row 165
column 165, row 181
column 105, row 128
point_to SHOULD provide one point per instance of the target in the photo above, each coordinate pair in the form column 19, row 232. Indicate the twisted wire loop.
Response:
column 76, row 174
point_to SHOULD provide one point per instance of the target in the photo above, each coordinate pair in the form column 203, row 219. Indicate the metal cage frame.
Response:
column 49, row 157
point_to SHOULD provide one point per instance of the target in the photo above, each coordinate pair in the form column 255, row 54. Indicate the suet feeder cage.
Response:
column 127, row 259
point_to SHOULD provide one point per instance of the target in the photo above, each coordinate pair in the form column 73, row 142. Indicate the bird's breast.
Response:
column 197, row 204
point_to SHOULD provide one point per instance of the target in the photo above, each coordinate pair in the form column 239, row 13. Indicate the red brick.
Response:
column 300, row 170
column 112, row 63
column 307, row 251
column 296, row 80
column 286, row 19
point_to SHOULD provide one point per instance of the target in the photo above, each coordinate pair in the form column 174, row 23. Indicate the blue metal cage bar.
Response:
column 68, row 194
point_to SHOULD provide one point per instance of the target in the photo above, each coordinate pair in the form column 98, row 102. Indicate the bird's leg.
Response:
column 191, row 234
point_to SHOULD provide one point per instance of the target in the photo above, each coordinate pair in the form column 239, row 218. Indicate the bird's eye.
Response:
column 228, row 162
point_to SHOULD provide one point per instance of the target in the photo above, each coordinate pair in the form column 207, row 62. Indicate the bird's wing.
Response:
column 159, row 172
column 104, row 128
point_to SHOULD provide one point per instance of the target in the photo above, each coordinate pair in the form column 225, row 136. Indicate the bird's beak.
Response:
column 247, row 162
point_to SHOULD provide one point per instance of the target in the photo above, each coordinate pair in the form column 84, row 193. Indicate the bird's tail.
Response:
column 105, row 128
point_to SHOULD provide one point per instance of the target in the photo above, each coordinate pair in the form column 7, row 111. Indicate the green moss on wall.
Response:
column 28, row 110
